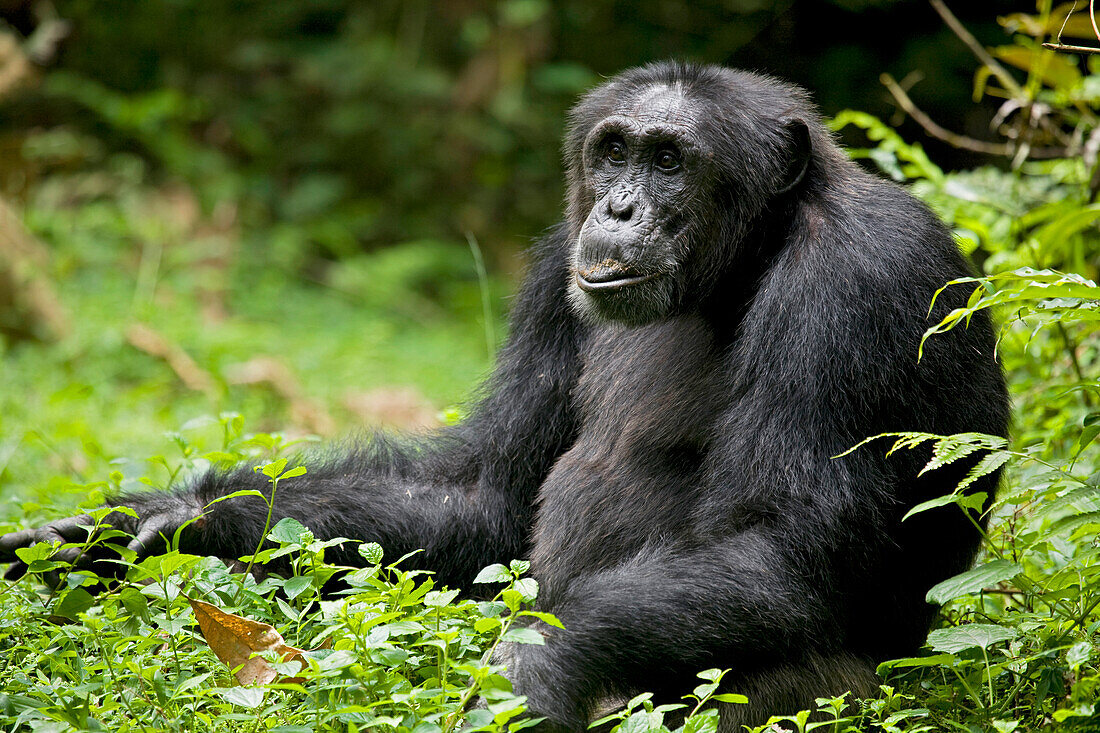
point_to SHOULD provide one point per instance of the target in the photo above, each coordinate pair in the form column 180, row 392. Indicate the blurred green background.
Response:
column 312, row 213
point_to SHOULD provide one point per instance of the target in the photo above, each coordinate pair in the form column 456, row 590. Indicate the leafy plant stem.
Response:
column 274, row 480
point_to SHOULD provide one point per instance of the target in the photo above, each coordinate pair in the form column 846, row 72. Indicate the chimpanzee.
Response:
column 728, row 305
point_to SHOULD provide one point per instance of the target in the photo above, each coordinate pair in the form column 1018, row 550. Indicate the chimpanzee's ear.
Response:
column 799, row 152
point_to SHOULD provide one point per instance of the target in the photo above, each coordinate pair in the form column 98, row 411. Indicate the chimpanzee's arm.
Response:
column 653, row 623
column 464, row 495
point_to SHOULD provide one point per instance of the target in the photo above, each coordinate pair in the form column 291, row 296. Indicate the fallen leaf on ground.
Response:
column 236, row 640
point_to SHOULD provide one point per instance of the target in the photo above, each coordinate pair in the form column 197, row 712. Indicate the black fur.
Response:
column 664, row 451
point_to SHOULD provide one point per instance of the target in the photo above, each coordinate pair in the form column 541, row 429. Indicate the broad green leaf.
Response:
column 273, row 469
column 528, row 588
column 973, row 581
column 523, row 635
column 731, row 698
column 297, row 585
column 971, row 636
column 247, row 697
column 932, row 504
column 290, row 531
column 495, row 573
column 371, row 552
column 547, row 618
column 74, row 603
column 934, row 660
column 293, row 473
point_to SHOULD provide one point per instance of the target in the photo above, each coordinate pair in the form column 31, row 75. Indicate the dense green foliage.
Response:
column 1018, row 648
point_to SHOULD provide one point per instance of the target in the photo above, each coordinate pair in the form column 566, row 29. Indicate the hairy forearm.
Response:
column 457, row 530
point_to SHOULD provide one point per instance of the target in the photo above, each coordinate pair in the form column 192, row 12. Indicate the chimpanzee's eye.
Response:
column 616, row 152
column 667, row 160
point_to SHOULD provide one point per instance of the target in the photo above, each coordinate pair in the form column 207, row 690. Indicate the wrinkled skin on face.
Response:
column 667, row 183
column 644, row 164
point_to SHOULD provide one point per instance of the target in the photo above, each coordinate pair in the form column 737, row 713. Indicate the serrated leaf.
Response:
column 934, row 660
column 495, row 573
column 293, row 473
column 297, row 585
column 973, row 581
column 273, row 469
column 971, row 636
column 290, row 531
column 547, row 618
column 371, row 552
column 528, row 588
column 74, row 603
column 523, row 635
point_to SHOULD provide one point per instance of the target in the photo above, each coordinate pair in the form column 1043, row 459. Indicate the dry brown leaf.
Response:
column 235, row 639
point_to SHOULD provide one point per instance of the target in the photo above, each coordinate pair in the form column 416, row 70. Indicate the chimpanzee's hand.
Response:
column 158, row 517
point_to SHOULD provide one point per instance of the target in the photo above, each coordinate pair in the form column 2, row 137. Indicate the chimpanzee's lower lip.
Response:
column 610, row 286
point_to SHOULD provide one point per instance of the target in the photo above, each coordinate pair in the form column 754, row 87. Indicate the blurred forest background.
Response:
column 312, row 213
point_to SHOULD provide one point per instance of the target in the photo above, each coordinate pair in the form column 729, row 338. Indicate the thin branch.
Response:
column 1066, row 20
column 977, row 48
column 954, row 139
column 1066, row 48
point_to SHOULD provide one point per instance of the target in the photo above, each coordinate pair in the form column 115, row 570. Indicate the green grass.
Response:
column 67, row 409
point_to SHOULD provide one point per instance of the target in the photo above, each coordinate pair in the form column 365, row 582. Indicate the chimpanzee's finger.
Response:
column 12, row 541
column 71, row 529
column 17, row 570
column 148, row 535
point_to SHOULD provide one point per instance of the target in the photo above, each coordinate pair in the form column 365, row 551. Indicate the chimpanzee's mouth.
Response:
column 605, row 279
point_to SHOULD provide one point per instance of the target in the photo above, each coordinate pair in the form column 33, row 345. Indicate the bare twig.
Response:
column 1066, row 48
column 1066, row 20
column 977, row 48
column 954, row 139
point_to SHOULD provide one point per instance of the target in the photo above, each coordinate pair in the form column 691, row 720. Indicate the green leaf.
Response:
column 730, row 697
column 371, row 552
column 932, row 504
column 547, row 618
column 247, row 697
column 290, row 531
column 484, row 625
column 528, row 588
column 297, row 585
column 934, row 660
column 273, row 469
column 495, row 573
column 523, row 635
column 1078, row 654
column 235, row 494
column 970, row 636
column 37, row 551
column 293, row 473
column 74, row 603
column 439, row 599
column 134, row 602
column 973, row 581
